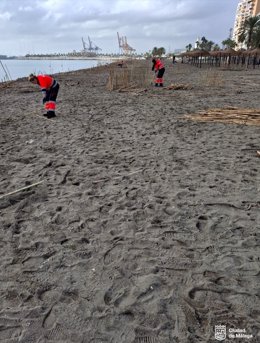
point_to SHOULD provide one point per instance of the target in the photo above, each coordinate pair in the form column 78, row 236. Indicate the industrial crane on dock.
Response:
column 92, row 48
column 124, row 47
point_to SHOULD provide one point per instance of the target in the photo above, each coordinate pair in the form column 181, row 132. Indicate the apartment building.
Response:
column 245, row 9
column 256, row 10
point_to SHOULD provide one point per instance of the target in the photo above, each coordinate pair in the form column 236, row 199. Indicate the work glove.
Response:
column 44, row 100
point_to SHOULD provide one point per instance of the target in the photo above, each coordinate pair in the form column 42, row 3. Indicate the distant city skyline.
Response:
column 57, row 26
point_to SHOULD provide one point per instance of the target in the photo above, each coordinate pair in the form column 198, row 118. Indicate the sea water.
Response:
column 22, row 68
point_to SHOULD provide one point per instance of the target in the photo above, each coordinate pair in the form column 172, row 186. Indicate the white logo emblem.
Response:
column 220, row 332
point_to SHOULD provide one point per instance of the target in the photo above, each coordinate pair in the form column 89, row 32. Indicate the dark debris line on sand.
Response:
column 141, row 231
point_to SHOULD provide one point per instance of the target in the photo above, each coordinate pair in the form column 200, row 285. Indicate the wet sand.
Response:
column 145, row 228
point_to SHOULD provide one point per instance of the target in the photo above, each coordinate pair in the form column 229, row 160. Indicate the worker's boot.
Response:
column 160, row 82
column 50, row 114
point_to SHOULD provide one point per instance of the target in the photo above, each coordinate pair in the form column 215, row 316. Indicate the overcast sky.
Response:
column 50, row 26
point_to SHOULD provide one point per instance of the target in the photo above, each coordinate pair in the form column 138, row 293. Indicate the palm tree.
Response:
column 161, row 51
column 229, row 43
column 256, row 38
column 216, row 47
column 246, row 35
column 158, row 51
column 188, row 47
column 205, row 44
column 155, row 51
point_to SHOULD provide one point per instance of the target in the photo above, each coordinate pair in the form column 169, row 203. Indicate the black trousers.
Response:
column 51, row 96
column 160, row 73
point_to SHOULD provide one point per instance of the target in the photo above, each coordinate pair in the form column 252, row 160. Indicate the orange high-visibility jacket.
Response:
column 158, row 65
column 46, row 82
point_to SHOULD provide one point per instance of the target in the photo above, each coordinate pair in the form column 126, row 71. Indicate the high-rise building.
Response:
column 256, row 10
column 245, row 9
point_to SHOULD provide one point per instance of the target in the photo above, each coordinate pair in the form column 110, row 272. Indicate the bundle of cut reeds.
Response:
column 134, row 75
column 233, row 115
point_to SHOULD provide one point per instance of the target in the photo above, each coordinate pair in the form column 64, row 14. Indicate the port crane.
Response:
column 124, row 47
column 91, row 46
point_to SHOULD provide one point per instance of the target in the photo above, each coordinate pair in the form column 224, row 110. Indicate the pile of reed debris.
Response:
column 179, row 86
column 230, row 115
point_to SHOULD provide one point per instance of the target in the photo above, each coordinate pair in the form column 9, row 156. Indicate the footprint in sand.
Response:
column 202, row 222
column 114, row 254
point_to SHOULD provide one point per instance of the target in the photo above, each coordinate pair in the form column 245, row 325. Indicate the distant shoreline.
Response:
column 13, row 69
column 102, row 58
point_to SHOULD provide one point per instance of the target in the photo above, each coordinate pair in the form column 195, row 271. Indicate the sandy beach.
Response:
column 144, row 227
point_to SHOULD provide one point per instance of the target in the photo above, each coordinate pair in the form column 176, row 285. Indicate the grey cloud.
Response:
column 58, row 25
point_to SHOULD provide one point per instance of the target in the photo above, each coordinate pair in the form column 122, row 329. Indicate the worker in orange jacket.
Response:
column 50, row 88
column 159, row 69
